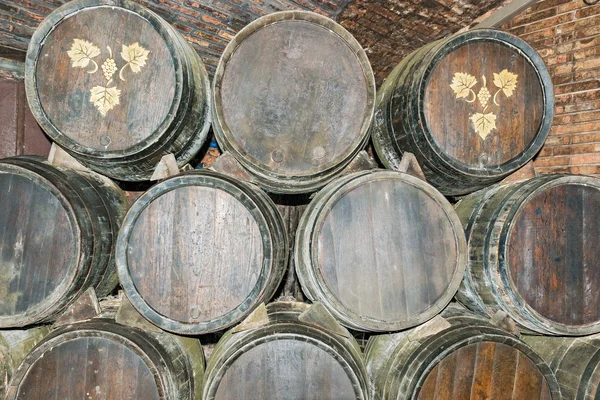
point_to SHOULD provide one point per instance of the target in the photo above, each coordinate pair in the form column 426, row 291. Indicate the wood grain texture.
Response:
column 286, row 359
column 533, row 254
column 518, row 117
column 159, row 93
column 575, row 361
column 382, row 250
column 419, row 112
column 200, row 251
column 104, row 360
column 56, row 238
column 294, row 96
column 469, row 359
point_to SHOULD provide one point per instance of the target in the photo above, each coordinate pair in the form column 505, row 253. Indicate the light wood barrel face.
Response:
column 485, row 370
column 90, row 367
column 294, row 95
column 39, row 245
column 484, row 103
column 387, row 250
column 285, row 369
column 197, row 253
column 553, row 254
column 114, row 80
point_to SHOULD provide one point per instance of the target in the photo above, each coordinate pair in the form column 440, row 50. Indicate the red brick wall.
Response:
column 566, row 33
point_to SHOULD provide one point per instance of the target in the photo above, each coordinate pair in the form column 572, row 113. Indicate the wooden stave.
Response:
column 398, row 365
column 313, row 284
column 183, row 134
column 14, row 347
column 284, row 322
column 275, row 231
column 449, row 177
column 496, row 291
column 270, row 181
column 96, row 207
column 177, row 362
column 574, row 361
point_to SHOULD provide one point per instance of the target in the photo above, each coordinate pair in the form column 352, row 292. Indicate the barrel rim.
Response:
column 284, row 331
column 223, row 135
column 545, row 182
column 313, row 220
column 239, row 191
column 56, row 301
column 90, row 329
column 534, row 59
column 46, row 28
column 467, row 334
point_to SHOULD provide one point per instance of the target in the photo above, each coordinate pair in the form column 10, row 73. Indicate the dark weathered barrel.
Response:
column 286, row 358
column 382, row 250
column 472, row 108
column 117, row 87
column 199, row 251
column 103, row 359
column 457, row 356
column 534, row 254
column 57, row 232
column 575, row 362
column 294, row 95
column 14, row 346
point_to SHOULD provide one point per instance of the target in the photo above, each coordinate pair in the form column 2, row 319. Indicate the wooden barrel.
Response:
column 14, row 346
column 117, row 87
column 199, row 251
column 57, row 233
column 382, row 250
column 457, row 357
column 294, row 96
column 533, row 253
column 287, row 359
column 575, row 362
column 472, row 108
column 103, row 359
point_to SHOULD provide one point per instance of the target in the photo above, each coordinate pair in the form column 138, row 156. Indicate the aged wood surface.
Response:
column 286, row 359
column 14, row 346
column 56, row 238
column 575, row 361
column 473, row 108
column 126, row 88
column 198, row 252
column 382, row 250
column 294, row 96
column 533, row 253
column 469, row 359
column 100, row 359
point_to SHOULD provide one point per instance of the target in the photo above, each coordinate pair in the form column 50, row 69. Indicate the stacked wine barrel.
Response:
column 296, row 251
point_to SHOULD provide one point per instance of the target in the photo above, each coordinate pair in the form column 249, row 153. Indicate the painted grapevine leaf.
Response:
column 82, row 52
column 506, row 81
column 484, row 123
column 135, row 55
column 462, row 84
column 105, row 99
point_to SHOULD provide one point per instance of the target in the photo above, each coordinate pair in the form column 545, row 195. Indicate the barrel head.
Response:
column 196, row 253
column 484, row 103
column 553, row 253
column 283, row 368
column 88, row 366
column 103, row 78
column 387, row 251
column 294, row 96
column 39, row 246
column 487, row 370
